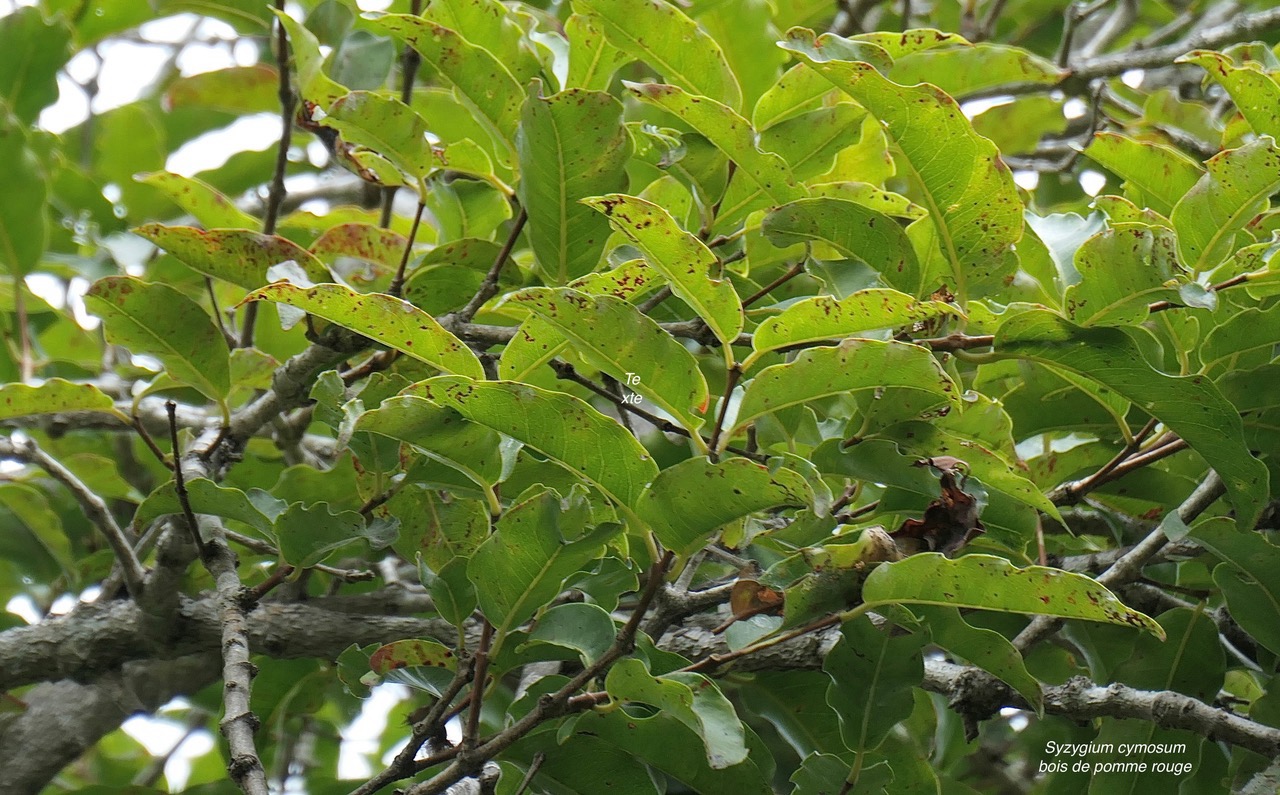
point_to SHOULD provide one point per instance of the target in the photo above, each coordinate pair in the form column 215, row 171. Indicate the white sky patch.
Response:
column 1027, row 180
column 360, row 739
column 1074, row 108
column 1092, row 181
column 213, row 149
column 1133, row 78
column 974, row 107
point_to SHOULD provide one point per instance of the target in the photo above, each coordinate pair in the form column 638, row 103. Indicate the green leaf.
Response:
column 313, row 83
column 440, row 433
column 972, row 69
column 1254, row 92
column 310, row 534
column 985, row 648
column 23, row 228
column 387, row 126
column 612, row 335
column 825, row 318
column 1122, row 269
column 257, row 508
column 439, row 528
column 1162, row 173
column 986, row 582
column 1235, row 188
column 731, row 134
column 32, row 50
column 476, row 74
column 668, row 745
column 661, row 35
column 680, row 257
column 1248, row 578
column 1248, row 330
column 557, row 425
column 691, row 699
column 854, row 365
column 1190, row 662
column 52, row 397
column 452, row 593
column 536, row 545
column 235, row 89
column 1189, row 406
column 872, row 675
column 159, row 320
column 368, row 242
column 209, row 207
column 687, row 502
column 592, row 59
column 412, row 654
column 238, row 256
column 968, row 190
column 572, row 145
column 855, row 231
column 584, row 628
column 383, row 318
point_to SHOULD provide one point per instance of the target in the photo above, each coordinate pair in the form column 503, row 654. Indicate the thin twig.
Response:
column 409, row 62
column 397, row 283
column 276, row 192
column 534, row 765
column 230, row 338
column 489, row 287
column 93, row 506
column 792, row 272
column 471, row 731
column 730, row 381
column 180, row 481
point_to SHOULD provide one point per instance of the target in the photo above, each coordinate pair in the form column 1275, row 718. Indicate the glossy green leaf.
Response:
column 1122, row 269
column 686, row 262
column 1189, row 406
column 1213, row 214
column 985, row 648
column 853, row 365
column 239, row 256
column 313, row 83
column 368, row 242
column 661, row 35
column 612, row 335
column 689, row 501
column 972, row 200
column 1161, row 173
column 691, row 699
column 572, row 145
column 51, row 397
column 972, row 69
column 1249, row 330
column 387, row 320
column 1190, row 662
column 872, row 673
column 855, row 231
column 310, row 534
column 1248, row 578
column 593, row 60
column 1255, row 92
column 387, row 126
column 986, row 582
column 440, row 433
column 584, row 628
column 536, row 545
column 159, row 320
column 732, row 135
column 825, row 318
column 474, row 72
column 440, row 528
column 210, row 208
column 557, row 425
column 257, row 508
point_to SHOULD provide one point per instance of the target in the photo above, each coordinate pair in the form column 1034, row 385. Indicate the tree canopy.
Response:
column 672, row 396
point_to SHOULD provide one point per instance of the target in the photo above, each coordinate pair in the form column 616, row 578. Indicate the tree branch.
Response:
column 94, row 507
